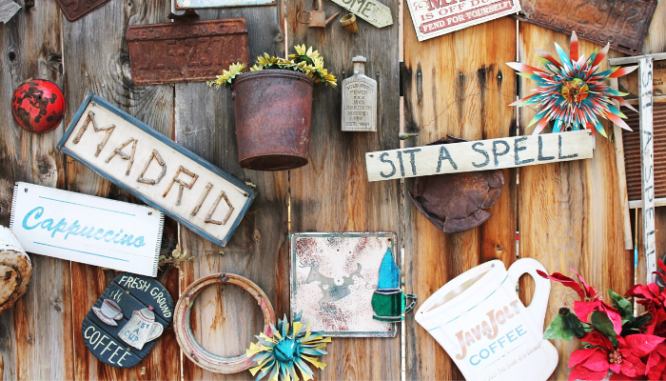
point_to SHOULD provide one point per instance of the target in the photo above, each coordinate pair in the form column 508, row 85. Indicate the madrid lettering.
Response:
column 480, row 155
column 155, row 169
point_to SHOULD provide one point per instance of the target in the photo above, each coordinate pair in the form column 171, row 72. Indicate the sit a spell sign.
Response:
column 155, row 169
column 481, row 155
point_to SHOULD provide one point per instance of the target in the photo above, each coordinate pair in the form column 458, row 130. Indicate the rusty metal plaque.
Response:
column 75, row 9
column 623, row 23
column 186, row 51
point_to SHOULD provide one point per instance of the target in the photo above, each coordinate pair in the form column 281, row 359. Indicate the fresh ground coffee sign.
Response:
column 480, row 155
column 160, row 172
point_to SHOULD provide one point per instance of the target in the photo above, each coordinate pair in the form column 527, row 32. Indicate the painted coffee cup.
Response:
column 485, row 328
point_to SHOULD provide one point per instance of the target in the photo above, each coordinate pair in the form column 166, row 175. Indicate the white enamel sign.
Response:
column 87, row 229
column 372, row 11
column 647, row 164
column 160, row 172
column 481, row 155
column 434, row 18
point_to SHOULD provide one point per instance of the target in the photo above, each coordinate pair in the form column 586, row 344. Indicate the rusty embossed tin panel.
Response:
column 623, row 23
column 186, row 51
column 75, row 9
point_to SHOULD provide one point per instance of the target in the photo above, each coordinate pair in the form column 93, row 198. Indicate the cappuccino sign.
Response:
column 87, row 229
column 434, row 18
column 155, row 169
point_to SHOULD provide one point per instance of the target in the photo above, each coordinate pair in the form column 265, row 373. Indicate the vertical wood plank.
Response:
column 332, row 192
column 456, row 84
column 225, row 319
column 571, row 212
column 654, row 43
column 96, row 50
column 35, row 335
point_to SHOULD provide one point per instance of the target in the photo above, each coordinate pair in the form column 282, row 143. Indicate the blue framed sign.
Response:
column 155, row 169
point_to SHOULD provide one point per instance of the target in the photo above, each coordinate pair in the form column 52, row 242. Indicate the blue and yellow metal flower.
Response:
column 574, row 93
column 291, row 346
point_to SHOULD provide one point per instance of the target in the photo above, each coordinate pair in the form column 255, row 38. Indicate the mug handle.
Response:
column 411, row 305
column 155, row 331
column 542, row 286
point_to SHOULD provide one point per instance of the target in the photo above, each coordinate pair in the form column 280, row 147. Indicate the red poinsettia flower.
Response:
column 654, row 303
column 624, row 361
column 591, row 299
column 656, row 364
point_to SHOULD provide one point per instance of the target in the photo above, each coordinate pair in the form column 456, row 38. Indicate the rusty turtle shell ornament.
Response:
column 457, row 202
column 38, row 106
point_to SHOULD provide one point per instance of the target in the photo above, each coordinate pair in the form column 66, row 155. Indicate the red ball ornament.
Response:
column 38, row 106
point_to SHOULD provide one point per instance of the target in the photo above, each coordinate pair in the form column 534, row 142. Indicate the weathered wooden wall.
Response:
column 568, row 214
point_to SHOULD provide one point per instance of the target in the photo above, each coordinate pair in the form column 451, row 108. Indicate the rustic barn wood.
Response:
column 225, row 318
column 331, row 193
column 654, row 43
column 455, row 84
column 579, row 223
column 96, row 50
column 37, row 332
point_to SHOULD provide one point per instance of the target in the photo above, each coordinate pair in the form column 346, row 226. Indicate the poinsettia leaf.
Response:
column 623, row 306
column 574, row 324
column 635, row 324
column 602, row 323
column 558, row 329
column 642, row 345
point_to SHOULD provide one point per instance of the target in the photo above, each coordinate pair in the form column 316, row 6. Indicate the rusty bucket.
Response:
column 273, row 109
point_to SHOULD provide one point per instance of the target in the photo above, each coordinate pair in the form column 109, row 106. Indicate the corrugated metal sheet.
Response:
column 632, row 153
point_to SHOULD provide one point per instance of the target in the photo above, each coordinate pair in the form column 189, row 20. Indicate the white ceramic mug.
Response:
column 485, row 328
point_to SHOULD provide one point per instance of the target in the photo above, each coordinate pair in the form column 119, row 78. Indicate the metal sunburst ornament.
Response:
column 574, row 93
column 291, row 345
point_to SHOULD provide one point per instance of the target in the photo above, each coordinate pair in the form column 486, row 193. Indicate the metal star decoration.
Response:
column 573, row 93
column 279, row 356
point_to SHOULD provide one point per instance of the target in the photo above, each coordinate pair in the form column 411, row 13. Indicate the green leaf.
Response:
column 623, row 305
column 558, row 329
column 574, row 324
column 602, row 323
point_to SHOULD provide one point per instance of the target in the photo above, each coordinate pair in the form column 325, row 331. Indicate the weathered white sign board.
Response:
column 87, row 229
column 372, row 11
column 160, row 172
column 434, row 18
column 479, row 155
column 647, row 164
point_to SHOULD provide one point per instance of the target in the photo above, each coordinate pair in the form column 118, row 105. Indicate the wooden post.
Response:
column 225, row 319
column 647, row 164
column 456, row 84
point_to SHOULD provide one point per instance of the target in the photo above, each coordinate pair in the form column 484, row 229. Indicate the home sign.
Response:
column 87, row 229
column 481, row 155
column 160, row 172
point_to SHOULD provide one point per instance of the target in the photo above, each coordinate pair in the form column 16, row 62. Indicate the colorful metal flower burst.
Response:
column 573, row 93
column 280, row 355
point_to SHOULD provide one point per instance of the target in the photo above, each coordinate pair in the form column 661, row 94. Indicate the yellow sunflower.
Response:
column 266, row 60
column 228, row 75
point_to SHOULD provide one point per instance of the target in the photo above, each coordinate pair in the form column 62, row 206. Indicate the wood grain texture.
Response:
column 455, row 84
column 36, row 340
column 654, row 43
column 97, row 53
column 225, row 319
column 571, row 213
column 332, row 193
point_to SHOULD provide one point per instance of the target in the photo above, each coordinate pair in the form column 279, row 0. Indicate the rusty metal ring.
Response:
column 192, row 349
